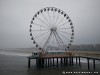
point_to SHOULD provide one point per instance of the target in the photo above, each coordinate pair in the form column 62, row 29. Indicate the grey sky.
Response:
column 15, row 17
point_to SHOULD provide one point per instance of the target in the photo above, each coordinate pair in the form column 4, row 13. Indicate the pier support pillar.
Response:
column 66, row 61
column 42, row 62
column 72, row 61
column 79, row 61
column 57, row 62
column 39, row 62
column 94, row 63
column 45, row 62
column 61, row 61
column 48, row 62
column 88, row 63
column 76, row 60
column 36, row 62
column 29, row 63
column 53, row 61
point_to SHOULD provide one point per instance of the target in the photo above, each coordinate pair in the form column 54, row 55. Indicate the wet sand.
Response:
column 17, row 65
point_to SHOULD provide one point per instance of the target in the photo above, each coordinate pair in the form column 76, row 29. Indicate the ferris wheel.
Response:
column 51, row 29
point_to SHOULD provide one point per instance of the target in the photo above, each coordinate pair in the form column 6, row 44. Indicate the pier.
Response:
column 63, row 58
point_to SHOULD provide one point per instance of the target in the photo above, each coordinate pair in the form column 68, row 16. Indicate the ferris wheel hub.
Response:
column 51, row 29
column 54, row 28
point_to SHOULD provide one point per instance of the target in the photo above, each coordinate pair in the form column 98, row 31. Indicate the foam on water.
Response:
column 14, row 53
column 84, row 60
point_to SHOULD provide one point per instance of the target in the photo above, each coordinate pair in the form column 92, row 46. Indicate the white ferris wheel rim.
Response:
column 46, row 23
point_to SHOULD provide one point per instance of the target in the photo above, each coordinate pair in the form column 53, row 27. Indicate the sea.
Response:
column 19, row 57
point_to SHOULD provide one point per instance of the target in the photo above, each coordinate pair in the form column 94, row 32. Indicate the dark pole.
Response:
column 57, row 62
column 42, row 63
column 64, row 61
column 61, row 61
column 79, row 61
column 28, row 62
column 72, row 61
column 48, row 62
column 88, row 63
column 36, row 63
column 76, row 60
column 53, row 61
column 67, row 60
column 39, row 62
column 94, row 63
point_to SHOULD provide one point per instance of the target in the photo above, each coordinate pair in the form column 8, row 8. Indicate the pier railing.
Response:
column 56, row 54
column 95, row 54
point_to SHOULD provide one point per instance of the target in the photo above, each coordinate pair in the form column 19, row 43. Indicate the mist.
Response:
column 16, row 15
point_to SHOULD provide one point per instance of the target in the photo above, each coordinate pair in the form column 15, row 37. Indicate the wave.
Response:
column 14, row 53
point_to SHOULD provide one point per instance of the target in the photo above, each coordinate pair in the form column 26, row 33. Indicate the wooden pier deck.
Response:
column 44, row 59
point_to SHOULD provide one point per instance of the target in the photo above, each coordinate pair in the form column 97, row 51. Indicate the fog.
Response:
column 16, row 15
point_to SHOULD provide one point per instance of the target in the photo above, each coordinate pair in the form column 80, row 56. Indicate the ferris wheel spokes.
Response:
column 59, row 21
column 46, row 43
column 53, row 17
column 65, row 32
column 59, row 41
column 62, row 24
column 65, row 28
column 48, row 23
column 41, row 35
column 42, row 21
column 51, row 28
column 49, row 17
column 40, row 25
column 64, row 36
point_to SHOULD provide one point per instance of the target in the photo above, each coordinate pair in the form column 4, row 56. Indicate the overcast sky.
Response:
column 15, row 17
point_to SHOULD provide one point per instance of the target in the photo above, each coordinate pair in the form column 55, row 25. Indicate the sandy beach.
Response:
column 17, row 65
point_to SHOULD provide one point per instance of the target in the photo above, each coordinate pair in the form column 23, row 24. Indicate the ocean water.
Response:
column 15, row 53
column 15, row 63
column 26, row 54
